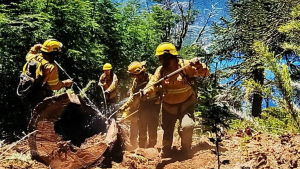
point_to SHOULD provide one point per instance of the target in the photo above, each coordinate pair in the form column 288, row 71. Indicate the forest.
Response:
column 252, row 54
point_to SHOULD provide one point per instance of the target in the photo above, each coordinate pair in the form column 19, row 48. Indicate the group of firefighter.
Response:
column 174, row 96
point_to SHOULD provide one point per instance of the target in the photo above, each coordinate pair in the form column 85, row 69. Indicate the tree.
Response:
column 250, row 21
column 77, row 24
column 175, row 19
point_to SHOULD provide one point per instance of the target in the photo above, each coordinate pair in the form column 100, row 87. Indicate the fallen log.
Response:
column 70, row 133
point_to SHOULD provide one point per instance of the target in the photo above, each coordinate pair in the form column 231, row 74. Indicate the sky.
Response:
column 204, row 6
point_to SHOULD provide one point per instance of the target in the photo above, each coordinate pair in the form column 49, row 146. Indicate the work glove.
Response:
column 195, row 62
column 124, row 115
column 106, row 92
column 100, row 84
column 122, row 109
column 67, row 83
column 38, row 46
column 141, row 93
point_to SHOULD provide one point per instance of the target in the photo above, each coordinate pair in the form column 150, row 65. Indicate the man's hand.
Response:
column 100, row 84
column 68, row 82
column 139, row 94
column 124, row 115
column 38, row 46
column 195, row 62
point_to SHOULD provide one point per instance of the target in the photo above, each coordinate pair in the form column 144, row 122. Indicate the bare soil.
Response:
column 241, row 150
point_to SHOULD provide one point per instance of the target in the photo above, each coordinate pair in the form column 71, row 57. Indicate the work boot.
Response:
column 186, row 151
column 165, row 152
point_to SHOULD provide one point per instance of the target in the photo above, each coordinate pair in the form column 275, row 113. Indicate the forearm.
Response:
column 196, row 68
column 57, row 86
column 113, row 85
column 202, row 71
column 32, row 53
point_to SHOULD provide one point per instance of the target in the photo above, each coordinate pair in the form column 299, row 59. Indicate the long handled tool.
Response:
column 152, row 84
column 105, row 103
column 90, row 102
column 123, row 119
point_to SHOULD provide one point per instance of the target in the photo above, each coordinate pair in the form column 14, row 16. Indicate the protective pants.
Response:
column 148, row 121
column 134, row 129
column 184, row 112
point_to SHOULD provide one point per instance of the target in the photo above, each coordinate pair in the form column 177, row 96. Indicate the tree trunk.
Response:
column 257, row 96
column 70, row 134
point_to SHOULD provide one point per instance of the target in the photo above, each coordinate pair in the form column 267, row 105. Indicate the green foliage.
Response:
column 140, row 35
column 92, row 32
column 249, row 22
column 282, row 79
column 239, row 124
column 277, row 126
column 165, row 20
column 216, row 113
column 192, row 51
column 291, row 28
column 273, row 121
column 86, row 88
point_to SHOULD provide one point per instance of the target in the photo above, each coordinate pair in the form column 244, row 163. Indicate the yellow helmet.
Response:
column 51, row 45
column 166, row 47
column 137, row 67
column 107, row 66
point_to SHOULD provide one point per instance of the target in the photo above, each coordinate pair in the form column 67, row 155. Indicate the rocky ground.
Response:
column 241, row 150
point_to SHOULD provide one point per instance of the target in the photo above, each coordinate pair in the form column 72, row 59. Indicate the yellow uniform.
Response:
column 178, row 101
column 49, row 75
column 50, row 72
column 109, row 84
column 147, row 115
column 176, row 89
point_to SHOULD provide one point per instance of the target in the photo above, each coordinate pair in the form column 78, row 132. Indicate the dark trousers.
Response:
column 133, row 133
column 148, row 121
column 185, row 115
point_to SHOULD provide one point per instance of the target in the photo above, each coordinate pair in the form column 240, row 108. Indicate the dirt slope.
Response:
column 240, row 149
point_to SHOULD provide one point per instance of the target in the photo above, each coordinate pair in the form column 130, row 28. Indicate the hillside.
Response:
column 242, row 149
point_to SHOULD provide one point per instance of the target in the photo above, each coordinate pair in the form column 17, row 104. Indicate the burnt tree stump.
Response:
column 70, row 133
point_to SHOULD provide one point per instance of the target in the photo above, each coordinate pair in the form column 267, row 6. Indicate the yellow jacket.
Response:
column 176, row 89
column 109, row 84
column 132, row 104
column 49, row 70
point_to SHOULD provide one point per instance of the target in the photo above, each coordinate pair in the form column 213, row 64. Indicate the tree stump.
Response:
column 69, row 133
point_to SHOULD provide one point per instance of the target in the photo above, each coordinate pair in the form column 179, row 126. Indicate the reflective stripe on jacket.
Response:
column 176, row 89
column 109, row 84
column 132, row 104
column 49, row 70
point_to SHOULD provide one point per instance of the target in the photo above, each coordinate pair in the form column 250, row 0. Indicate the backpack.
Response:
column 31, row 78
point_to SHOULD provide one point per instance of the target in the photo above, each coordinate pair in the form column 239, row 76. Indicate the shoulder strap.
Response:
column 188, row 80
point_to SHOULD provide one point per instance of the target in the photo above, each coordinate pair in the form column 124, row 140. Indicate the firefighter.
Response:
column 46, row 54
column 179, row 96
column 148, row 108
column 109, row 81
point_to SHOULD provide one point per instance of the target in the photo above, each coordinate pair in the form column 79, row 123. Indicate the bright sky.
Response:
column 204, row 6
